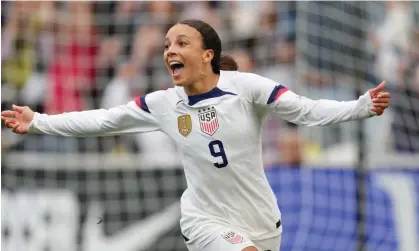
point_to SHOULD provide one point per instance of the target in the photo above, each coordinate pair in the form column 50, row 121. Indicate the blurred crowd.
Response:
column 69, row 56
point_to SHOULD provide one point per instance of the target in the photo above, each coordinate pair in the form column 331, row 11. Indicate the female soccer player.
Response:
column 215, row 118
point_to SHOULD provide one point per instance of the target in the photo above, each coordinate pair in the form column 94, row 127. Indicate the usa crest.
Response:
column 208, row 120
column 184, row 124
column 232, row 237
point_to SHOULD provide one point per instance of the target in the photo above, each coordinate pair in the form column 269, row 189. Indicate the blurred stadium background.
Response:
column 353, row 186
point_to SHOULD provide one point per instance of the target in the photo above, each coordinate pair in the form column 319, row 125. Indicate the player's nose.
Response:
column 172, row 50
column 171, row 54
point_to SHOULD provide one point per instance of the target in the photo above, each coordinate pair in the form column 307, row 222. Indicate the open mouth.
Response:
column 176, row 67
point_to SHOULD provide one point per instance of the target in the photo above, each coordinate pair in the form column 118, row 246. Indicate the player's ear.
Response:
column 208, row 56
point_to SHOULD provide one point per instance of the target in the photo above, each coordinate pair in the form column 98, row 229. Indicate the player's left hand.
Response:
column 380, row 99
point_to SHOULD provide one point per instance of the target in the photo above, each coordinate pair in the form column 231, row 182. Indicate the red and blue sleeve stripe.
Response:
column 276, row 93
column 140, row 101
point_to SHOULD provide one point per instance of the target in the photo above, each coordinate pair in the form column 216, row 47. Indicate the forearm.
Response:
column 124, row 119
column 86, row 123
column 304, row 111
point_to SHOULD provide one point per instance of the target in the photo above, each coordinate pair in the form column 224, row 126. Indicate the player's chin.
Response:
column 179, row 81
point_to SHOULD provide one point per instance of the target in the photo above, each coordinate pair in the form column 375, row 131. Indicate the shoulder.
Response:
column 243, row 79
column 247, row 84
column 241, row 76
column 236, row 77
column 156, row 97
column 158, row 102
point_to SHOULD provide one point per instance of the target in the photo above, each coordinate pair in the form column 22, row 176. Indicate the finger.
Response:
column 383, row 95
column 379, row 88
column 380, row 105
column 8, row 113
column 17, row 108
column 378, row 111
column 4, row 119
column 381, row 100
column 10, row 124
column 8, row 120
column 15, row 128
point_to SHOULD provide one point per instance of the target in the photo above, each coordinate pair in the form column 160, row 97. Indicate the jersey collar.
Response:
column 216, row 92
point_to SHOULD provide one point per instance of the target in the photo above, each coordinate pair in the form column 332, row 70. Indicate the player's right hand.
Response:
column 18, row 119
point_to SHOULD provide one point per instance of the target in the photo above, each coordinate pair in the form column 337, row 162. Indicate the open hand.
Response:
column 18, row 119
column 380, row 99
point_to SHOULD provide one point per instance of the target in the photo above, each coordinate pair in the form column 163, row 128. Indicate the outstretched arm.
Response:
column 300, row 110
column 134, row 117
column 304, row 111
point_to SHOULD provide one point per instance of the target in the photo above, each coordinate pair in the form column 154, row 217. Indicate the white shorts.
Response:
column 229, row 240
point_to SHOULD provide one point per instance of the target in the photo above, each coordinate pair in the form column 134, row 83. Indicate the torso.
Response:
column 219, row 141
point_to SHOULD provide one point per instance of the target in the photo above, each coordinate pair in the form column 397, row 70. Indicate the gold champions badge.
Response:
column 184, row 124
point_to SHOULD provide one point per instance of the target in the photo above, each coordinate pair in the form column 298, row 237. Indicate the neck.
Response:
column 203, row 85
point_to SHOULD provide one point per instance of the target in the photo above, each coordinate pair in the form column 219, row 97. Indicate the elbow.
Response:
column 310, row 121
column 108, row 124
column 104, row 125
column 307, row 119
column 314, row 123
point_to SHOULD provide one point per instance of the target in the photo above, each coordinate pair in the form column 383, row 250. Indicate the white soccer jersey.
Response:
column 218, row 135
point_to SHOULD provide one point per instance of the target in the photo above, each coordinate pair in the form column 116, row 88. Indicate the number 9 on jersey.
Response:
column 217, row 151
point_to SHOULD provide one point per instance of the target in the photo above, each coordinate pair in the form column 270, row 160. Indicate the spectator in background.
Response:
column 283, row 70
column 26, row 53
column 71, row 75
column 18, row 44
column 117, row 21
column 405, row 125
column 391, row 39
column 118, row 92
column 290, row 147
column 146, row 45
column 267, row 34
column 207, row 11
column 244, row 20
column 124, row 25
column 243, row 60
column 72, row 71
column 144, row 72
column 26, row 44
column 109, row 57
column 146, row 49
column 395, row 51
column 34, row 90
column 163, row 13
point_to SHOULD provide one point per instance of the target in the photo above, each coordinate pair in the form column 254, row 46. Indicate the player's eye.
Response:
column 166, row 47
column 182, row 43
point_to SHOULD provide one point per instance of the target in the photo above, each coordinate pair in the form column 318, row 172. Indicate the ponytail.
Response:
column 227, row 63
